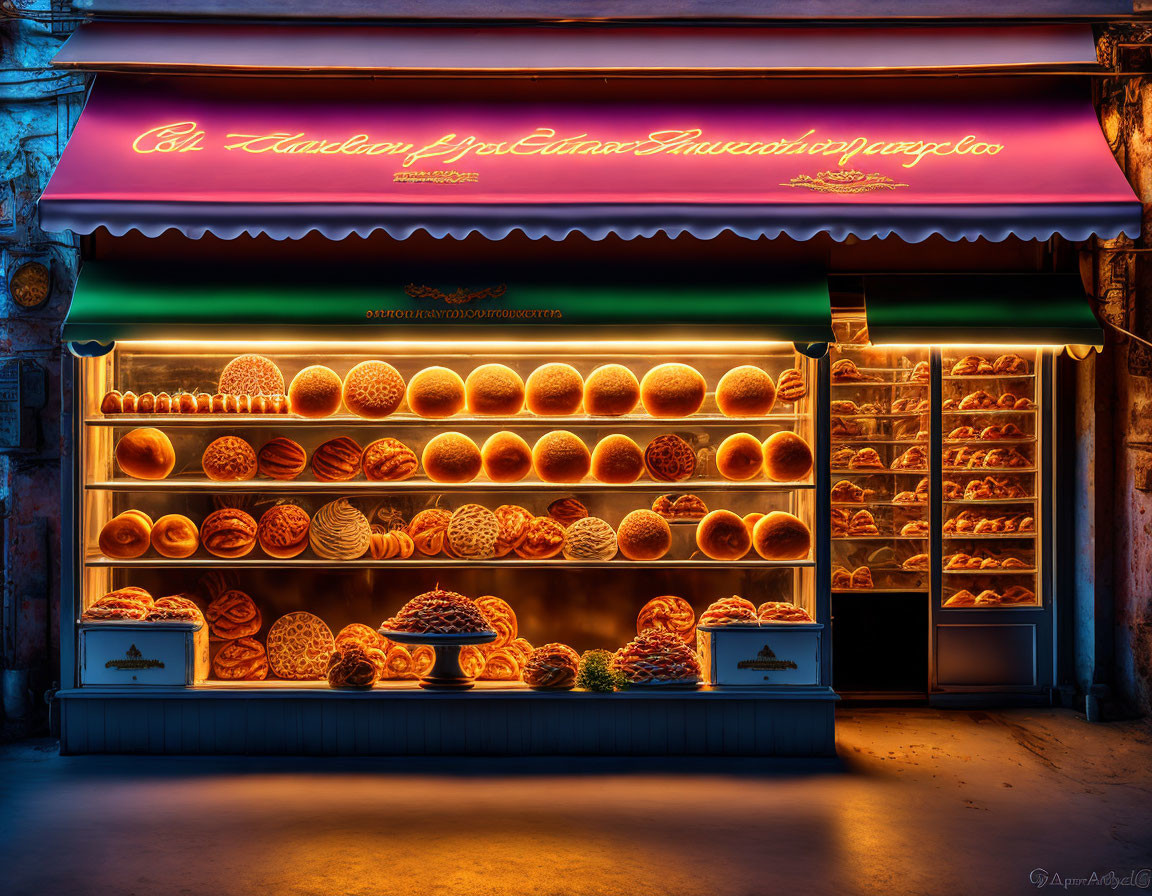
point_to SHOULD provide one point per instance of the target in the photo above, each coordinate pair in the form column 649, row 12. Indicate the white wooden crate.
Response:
column 143, row 653
column 761, row 656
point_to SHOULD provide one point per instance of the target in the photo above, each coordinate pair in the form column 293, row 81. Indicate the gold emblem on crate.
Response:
column 851, row 181
column 459, row 297
column 133, row 660
column 766, row 661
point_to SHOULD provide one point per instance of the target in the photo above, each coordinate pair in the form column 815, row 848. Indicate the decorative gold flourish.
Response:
column 459, row 297
column 851, row 181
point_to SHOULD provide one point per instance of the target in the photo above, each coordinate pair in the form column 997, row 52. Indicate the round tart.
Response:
column 436, row 392
column 669, row 459
column 283, row 531
column 668, row 614
column 472, row 532
column 672, row 390
column 494, row 390
column 745, row 391
column 451, row 457
column 241, row 660
column 590, row 538
column 787, row 457
column 552, row 667
column 282, row 459
column 561, row 456
column 617, row 459
column 339, row 532
column 513, row 521
column 554, row 390
column 373, row 389
column 233, row 614
column 506, row 457
column 229, row 459
column 656, row 656
column 228, row 533
column 145, row 454
column 781, row 536
column 315, row 392
column 644, row 535
column 337, row 460
column 175, row 536
column 389, row 460
column 299, row 645
column 251, row 375
column 439, row 612
column 611, row 391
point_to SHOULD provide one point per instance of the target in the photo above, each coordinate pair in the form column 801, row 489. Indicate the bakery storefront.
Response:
column 580, row 419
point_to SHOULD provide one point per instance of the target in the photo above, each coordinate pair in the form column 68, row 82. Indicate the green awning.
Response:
column 118, row 301
column 1031, row 309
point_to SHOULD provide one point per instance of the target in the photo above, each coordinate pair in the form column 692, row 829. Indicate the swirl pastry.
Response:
column 337, row 460
column 299, row 645
column 389, row 460
column 472, row 532
column 472, row 661
column 552, row 667
column 775, row 611
column 501, row 619
column 668, row 614
column 423, row 657
column 228, row 533
column 545, row 539
column 790, row 387
column 126, row 536
column 729, row 611
column 175, row 536
column 429, row 529
column 282, row 459
column 233, row 615
column 524, row 647
column 513, row 521
column 654, row 657
column 439, row 612
column 241, row 660
column 364, row 634
column 590, row 538
column 398, row 664
column 354, row 666
column 391, row 545
column 339, row 531
column 501, row 664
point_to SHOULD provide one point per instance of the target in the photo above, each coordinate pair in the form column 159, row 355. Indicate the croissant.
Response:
column 1027, row 524
column 920, row 373
column 961, row 599
column 956, row 561
column 912, row 459
column 841, row 578
column 961, row 434
column 840, row 523
column 862, row 577
column 1018, row 594
column 844, row 407
column 949, row 404
column 951, row 489
column 1007, row 401
column 845, row 492
column 1010, row 364
column 846, row 371
column 901, row 405
column 989, row 563
column 1013, row 563
column 1023, row 404
column 866, row 459
column 905, row 498
column 987, row 598
column 977, row 401
column 842, row 457
column 863, row 523
column 916, row 562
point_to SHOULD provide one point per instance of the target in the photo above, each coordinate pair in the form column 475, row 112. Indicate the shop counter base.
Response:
column 399, row 719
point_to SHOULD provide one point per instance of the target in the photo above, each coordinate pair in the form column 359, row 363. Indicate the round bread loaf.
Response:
column 494, row 390
column 436, row 392
column 228, row 533
column 611, row 390
column 229, row 459
column 145, row 454
column 590, row 538
column 617, row 459
column 241, row 660
column 554, row 390
column 472, row 532
column 561, row 456
column 283, row 531
column 315, row 392
column 745, row 391
column 451, row 457
column 337, row 460
column 232, row 614
column 672, row 390
column 740, row 457
column 339, row 532
column 373, row 389
column 299, row 645
column 787, row 457
column 506, row 457
column 722, row 535
column 126, row 536
column 251, row 375
column 282, row 459
column 781, row 536
column 389, row 460
column 175, row 536
column 644, row 535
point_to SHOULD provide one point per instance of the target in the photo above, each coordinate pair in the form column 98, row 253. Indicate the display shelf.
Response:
column 866, row 504
column 879, row 537
column 412, row 421
column 996, row 412
column 879, row 590
column 99, row 561
column 987, row 501
column 987, row 443
column 995, row 536
column 876, row 472
column 875, row 385
column 183, row 486
column 990, row 572
column 864, row 440
column 911, row 415
column 975, row 378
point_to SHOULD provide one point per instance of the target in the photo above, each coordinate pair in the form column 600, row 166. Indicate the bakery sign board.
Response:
column 761, row 656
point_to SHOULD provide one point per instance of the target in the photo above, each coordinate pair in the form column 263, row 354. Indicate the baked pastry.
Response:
column 751, row 519
column 501, row 619
column 451, row 457
column 360, row 633
column 126, row 536
column 863, row 523
column 339, row 532
column 611, row 390
column 1010, row 365
column 241, row 660
column 790, row 387
column 961, row 599
column 617, row 459
column 388, row 460
column 680, row 507
column 842, row 458
column 644, row 535
column 722, row 535
column 861, row 578
column 779, row 611
column 844, row 407
column 1018, row 594
column 840, row 522
column 429, row 529
column 905, row 497
column 355, row 666
column 439, row 612
column 513, row 521
column 373, row 389
column 669, row 459
column 672, row 390
column 668, row 614
column 561, row 456
column 283, row 531
column 987, row 598
column 841, row 579
column 112, row 403
column 231, row 615
column 337, row 460
column 393, row 544
column 175, row 608
column 124, row 603
column 145, row 454
column 228, row 533
column 315, row 392
column 654, row 657
column 915, row 458
column 914, row 529
column 787, row 457
column 282, row 459
column 920, row 373
column 866, row 459
column 501, row 664
column 128, row 402
column 972, row 365
column 734, row 610
column 552, row 667
column 589, row 538
column 472, row 532
column 436, row 392
column 745, row 391
column 842, row 429
column 399, row 663
column 229, row 459
column 845, row 492
column 554, row 390
column 543, row 540
column 251, row 375
column 494, row 390
column 740, row 457
column 566, row 511
column 175, row 536
column 846, row 371
column 299, row 645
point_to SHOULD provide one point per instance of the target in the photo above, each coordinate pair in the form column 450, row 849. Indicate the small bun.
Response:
column 126, row 536
column 145, row 454
column 315, row 392
column 644, row 535
column 229, row 459
column 337, row 460
column 451, row 457
column 745, row 391
column 281, row 458
column 554, row 390
column 611, row 391
column 228, row 533
column 373, row 389
column 617, row 459
column 781, row 536
column 722, row 535
column 506, row 457
column 561, row 456
column 175, row 536
column 494, row 390
column 740, row 457
column 672, row 390
column 436, row 392
column 283, row 531
column 787, row 457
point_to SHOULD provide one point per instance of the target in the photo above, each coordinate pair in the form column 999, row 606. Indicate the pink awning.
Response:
column 205, row 155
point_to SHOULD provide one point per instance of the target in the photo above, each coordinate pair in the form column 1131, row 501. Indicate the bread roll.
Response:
column 722, row 535
column 506, row 457
column 672, row 390
column 229, row 459
column 251, row 375
column 740, row 457
column 175, row 536
column 611, row 391
column 315, row 392
column 337, row 460
column 451, row 457
column 228, row 533
column 373, row 389
column 436, row 392
column 617, row 459
column 644, row 535
column 561, row 456
column 554, row 390
column 281, row 458
column 494, row 390
column 781, row 536
column 283, row 531
column 126, row 536
column 145, row 454
column 787, row 457
column 745, row 391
